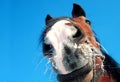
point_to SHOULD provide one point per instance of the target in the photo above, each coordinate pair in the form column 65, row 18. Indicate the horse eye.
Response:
column 88, row 22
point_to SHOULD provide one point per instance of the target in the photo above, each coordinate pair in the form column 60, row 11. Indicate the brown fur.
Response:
column 86, row 29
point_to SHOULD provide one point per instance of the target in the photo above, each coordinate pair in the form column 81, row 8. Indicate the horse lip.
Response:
column 75, row 73
column 80, row 69
column 99, row 56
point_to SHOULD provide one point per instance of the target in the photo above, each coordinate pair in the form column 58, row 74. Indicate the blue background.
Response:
column 22, row 21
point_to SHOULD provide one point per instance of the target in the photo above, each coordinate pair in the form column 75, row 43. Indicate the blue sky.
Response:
column 22, row 21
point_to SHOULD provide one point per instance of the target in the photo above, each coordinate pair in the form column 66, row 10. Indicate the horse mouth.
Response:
column 76, row 73
column 83, row 71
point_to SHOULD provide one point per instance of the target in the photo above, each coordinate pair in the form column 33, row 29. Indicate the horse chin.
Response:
column 78, row 73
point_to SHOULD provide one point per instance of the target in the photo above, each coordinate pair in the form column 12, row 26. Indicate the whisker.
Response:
column 37, row 56
column 45, row 72
column 39, row 63
column 47, row 67
column 50, row 76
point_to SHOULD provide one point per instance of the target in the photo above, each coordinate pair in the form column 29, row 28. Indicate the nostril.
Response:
column 78, row 33
column 47, row 47
column 47, row 50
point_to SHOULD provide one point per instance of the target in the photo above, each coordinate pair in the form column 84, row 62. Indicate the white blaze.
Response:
column 58, row 33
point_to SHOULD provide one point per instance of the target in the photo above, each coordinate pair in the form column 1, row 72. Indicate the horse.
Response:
column 75, row 52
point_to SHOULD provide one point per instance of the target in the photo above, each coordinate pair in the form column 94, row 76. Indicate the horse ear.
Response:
column 77, row 11
column 48, row 17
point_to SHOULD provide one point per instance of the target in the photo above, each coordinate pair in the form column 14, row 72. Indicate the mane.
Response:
column 110, row 65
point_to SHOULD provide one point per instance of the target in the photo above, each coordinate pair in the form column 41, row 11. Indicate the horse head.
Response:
column 72, row 48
